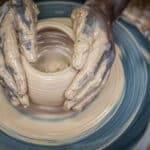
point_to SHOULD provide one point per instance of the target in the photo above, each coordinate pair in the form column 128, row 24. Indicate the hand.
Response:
column 94, row 54
column 139, row 16
column 17, row 35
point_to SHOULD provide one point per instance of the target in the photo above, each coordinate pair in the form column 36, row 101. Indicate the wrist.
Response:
column 103, row 7
column 110, row 8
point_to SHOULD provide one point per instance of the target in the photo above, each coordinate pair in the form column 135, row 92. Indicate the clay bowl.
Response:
column 52, row 73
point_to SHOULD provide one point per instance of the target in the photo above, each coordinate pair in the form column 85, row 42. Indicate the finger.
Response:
column 26, row 25
column 17, row 100
column 9, row 91
column 32, row 8
column 80, row 80
column 11, row 54
column 83, row 39
column 81, row 48
column 98, row 81
column 101, row 72
column 6, row 78
column 13, row 99
column 80, row 106
column 24, row 100
column 86, row 99
column 87, row 73
column 86, row 92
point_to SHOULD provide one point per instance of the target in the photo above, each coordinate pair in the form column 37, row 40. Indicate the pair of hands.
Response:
column 93, row 51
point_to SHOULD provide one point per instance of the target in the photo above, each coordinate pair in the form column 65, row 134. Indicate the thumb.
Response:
column 82, row 40
column 81, row 50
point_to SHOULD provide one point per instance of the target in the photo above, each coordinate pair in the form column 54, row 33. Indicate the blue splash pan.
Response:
column 131, row 118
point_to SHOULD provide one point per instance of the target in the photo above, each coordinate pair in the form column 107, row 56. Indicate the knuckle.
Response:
column 95, row 84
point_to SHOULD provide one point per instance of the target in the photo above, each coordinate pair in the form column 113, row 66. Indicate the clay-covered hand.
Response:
column 94, row 54
column 17, row 36
column 139, row 16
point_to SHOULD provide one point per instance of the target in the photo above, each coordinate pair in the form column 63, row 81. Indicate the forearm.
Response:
column 110, row 8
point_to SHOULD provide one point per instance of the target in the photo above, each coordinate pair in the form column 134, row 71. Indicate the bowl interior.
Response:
column 54, row 50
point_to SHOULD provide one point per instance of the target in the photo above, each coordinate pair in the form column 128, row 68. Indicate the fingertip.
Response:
column 31, row 58
column 68, row 105
column 13, row 86
column 77, row 64
column 24, row 101
column 30, row 53
column 77, row 109
column 14, row 103
column 69, row 94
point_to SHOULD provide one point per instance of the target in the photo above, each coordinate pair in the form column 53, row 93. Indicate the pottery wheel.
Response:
column 63, row 128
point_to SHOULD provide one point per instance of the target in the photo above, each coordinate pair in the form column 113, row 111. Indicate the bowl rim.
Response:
column 48, row 23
